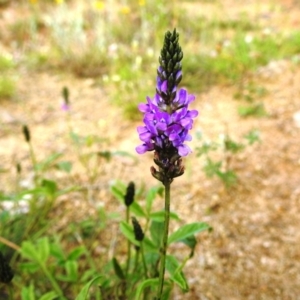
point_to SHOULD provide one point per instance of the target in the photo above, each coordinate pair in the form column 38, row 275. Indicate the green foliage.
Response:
column 148, row 250
column 7, row 87
column 227, row 148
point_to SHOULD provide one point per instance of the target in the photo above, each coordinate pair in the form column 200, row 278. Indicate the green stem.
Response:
column 55, row 285
column 128, row 243
column 144, row 261
column 34, row 162
column 11, row 293
column 164, row 242
column 136, row 261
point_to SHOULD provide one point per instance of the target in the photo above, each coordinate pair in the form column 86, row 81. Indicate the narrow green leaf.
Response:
column 127, row 230
column 43, row 248
column 85, row 290
column 150, row 198
column 186, row 231
column 177, row 275
column 118, row 190
column 72, row 270
column 137, row 209
column 118, row 269
column 159, row 216
column 45, row 164
column 65, row 166
column 56, row 251
column 156, row 231
column 153, row 282
column 49, row 296
column 27, row 293
column 76, row 253
column 149, row 245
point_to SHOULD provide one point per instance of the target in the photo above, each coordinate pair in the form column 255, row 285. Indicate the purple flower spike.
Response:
column 167, row 118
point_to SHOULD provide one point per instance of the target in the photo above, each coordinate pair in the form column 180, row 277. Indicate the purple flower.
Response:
column 167, row 118
column 164, row 129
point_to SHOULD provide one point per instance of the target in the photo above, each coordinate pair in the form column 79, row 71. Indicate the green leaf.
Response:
column 49, row 296
column 75, row 138
column 27, row 293
column 72, row 270
column 229, row 178
column 88, row 274
column 118, row 189
column 56, row 251
column 177, row 275
column 156, row 231
column 65, row 166
column 150, row 197
column 211, row 168
column 45, row 164
column 137, row 209
column 252, row 136
column 43, row 248
column 127, row 230
column 191, row 242
column 28, row 250
column 76, row 253
column 257, row 110
column 30, row 267
column 117, row 268
column 148, row 245
column 85, row 290
column 186, row 231
column 159, row 216
column 148, row 282
column 49, row 186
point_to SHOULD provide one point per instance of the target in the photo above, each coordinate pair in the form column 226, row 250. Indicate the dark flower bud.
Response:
column 26, row 133
column 65, row 94
column 170, row 66
column 137, row 229
column 129, row 196
column 19, row 168
column 6, row 273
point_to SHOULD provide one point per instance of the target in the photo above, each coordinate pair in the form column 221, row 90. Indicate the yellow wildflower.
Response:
column 99, row 5
column 125, row 9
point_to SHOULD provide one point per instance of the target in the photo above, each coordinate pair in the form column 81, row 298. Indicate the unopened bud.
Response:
column 129, row 196
column 137, row 229
column 6, row 273
column 26, row 133
column 65, row 93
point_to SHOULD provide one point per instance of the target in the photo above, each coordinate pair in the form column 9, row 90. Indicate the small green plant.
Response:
column 227, row 149
column 251, row 94
column 7, row 87
column 7, row 82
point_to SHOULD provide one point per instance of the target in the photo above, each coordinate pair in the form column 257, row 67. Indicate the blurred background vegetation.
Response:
column 118, row 42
